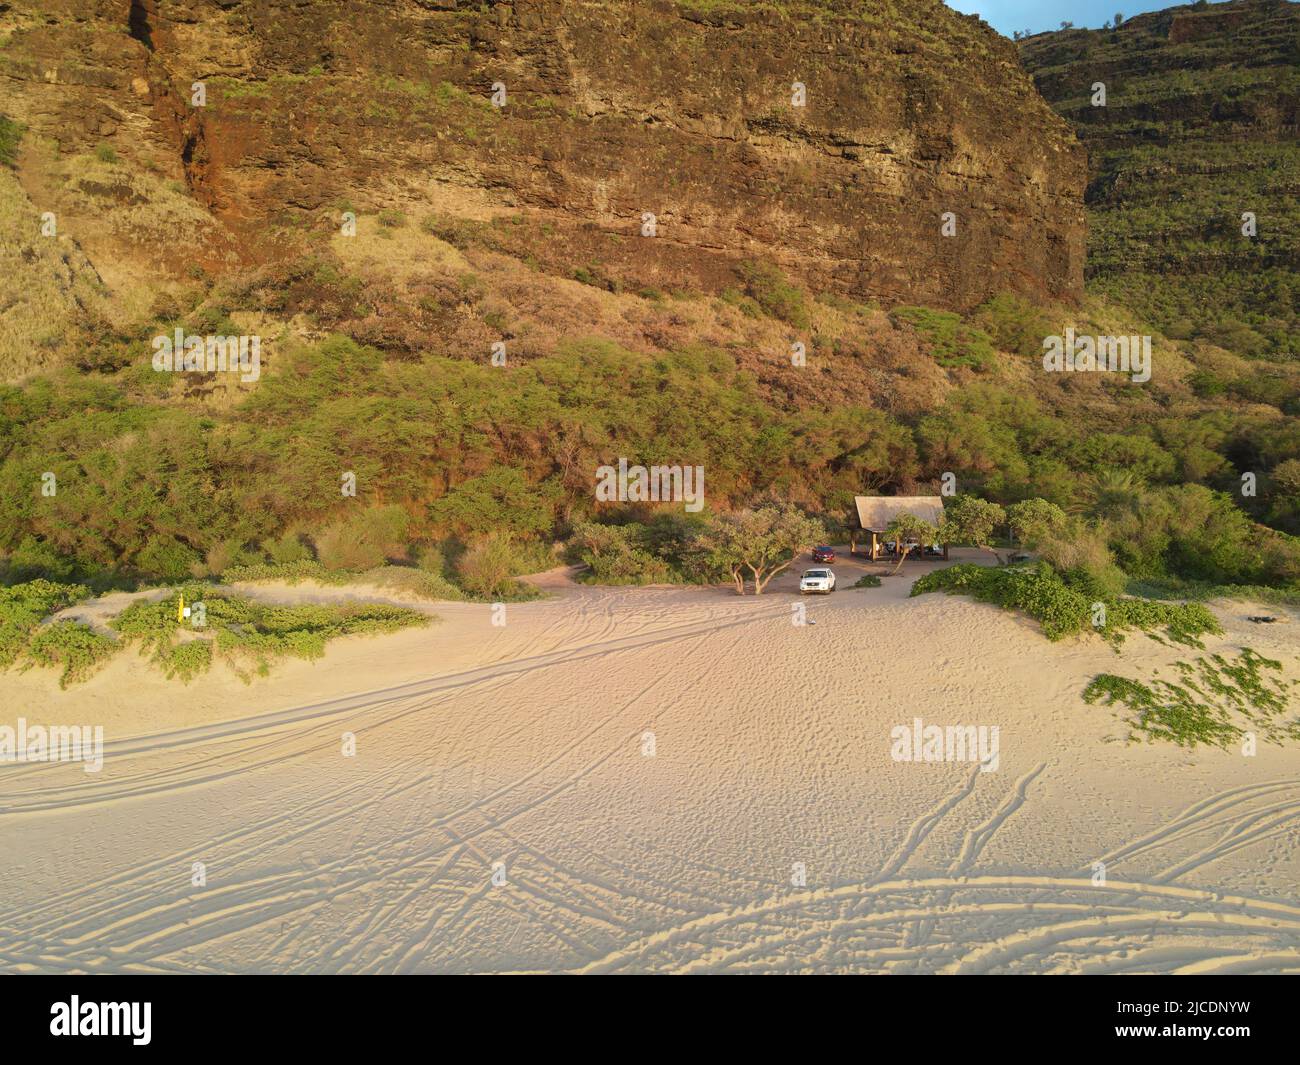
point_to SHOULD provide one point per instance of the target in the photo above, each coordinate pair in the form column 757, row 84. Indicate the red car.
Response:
column 823, row 554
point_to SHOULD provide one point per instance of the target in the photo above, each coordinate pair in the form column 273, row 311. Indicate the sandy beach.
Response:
column 645, row 780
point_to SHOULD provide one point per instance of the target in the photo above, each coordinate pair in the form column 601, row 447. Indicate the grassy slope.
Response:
column 1199, row 126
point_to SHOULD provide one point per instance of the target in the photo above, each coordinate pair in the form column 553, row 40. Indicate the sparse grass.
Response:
column 418, row 582
column 593, row 274
column 49, row 286
column 1204, row 591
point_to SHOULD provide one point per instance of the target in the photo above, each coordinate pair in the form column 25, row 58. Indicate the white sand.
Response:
column 524, row 745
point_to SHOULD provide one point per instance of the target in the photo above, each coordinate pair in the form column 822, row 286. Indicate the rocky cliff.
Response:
column 612, row 110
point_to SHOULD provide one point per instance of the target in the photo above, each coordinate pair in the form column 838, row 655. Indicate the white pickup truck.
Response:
column 821, row 581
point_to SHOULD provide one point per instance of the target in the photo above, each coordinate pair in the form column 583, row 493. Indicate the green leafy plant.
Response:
column 953, row 342
column 249, row 635
column 1040, row 591
column 1214, row 701
column 69, row 645
column 26, row 640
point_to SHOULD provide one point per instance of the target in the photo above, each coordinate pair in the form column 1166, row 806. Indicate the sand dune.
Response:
column 527, row 746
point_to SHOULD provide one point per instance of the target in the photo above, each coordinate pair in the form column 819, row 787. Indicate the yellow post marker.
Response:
column 180, row 609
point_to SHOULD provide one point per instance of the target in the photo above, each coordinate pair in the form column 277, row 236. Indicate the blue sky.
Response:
column 1038, row 15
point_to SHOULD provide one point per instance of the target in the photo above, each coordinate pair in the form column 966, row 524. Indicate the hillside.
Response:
column 734, row 339
column 610, row 112
column 1199, row 126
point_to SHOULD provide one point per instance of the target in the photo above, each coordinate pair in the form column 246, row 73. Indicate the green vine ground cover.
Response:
column 248, row 635
column 1215, row 701
column 1063, row 610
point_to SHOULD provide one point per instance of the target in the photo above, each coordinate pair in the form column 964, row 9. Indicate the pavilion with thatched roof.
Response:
column 874, row 513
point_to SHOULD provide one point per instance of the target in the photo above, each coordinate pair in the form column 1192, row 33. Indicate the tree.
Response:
column 1111, row 492
column 763, row 541
column 906, row 526
column 1286, row 476
column 971, row 520
column 1118, row 19
column 1035, row 520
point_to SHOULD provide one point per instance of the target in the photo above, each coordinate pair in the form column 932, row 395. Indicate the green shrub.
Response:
column 768, row 287
column 222, row 556
column 1062, row 610
column 185, row 661
column 952, row 341
column 167, row 558
column 34, row 559
column 1014, row 324
column 489, row 567
column 74, row 646
column 617, row 554
column 23, row 607
column 286, row 549
column 249, row 635
column 364, row 540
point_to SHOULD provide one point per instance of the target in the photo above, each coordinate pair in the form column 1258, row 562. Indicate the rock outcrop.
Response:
column 613, row 110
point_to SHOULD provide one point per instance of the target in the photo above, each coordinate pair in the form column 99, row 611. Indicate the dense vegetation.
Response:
column 469, row 474
column 447, row 453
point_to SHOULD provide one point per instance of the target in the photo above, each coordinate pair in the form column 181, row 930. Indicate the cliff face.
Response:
column 613, row 109
column 1201, row 125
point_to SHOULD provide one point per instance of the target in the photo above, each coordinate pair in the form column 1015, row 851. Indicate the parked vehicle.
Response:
column 823, row 554
column 817, row 581
column 908, row 545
